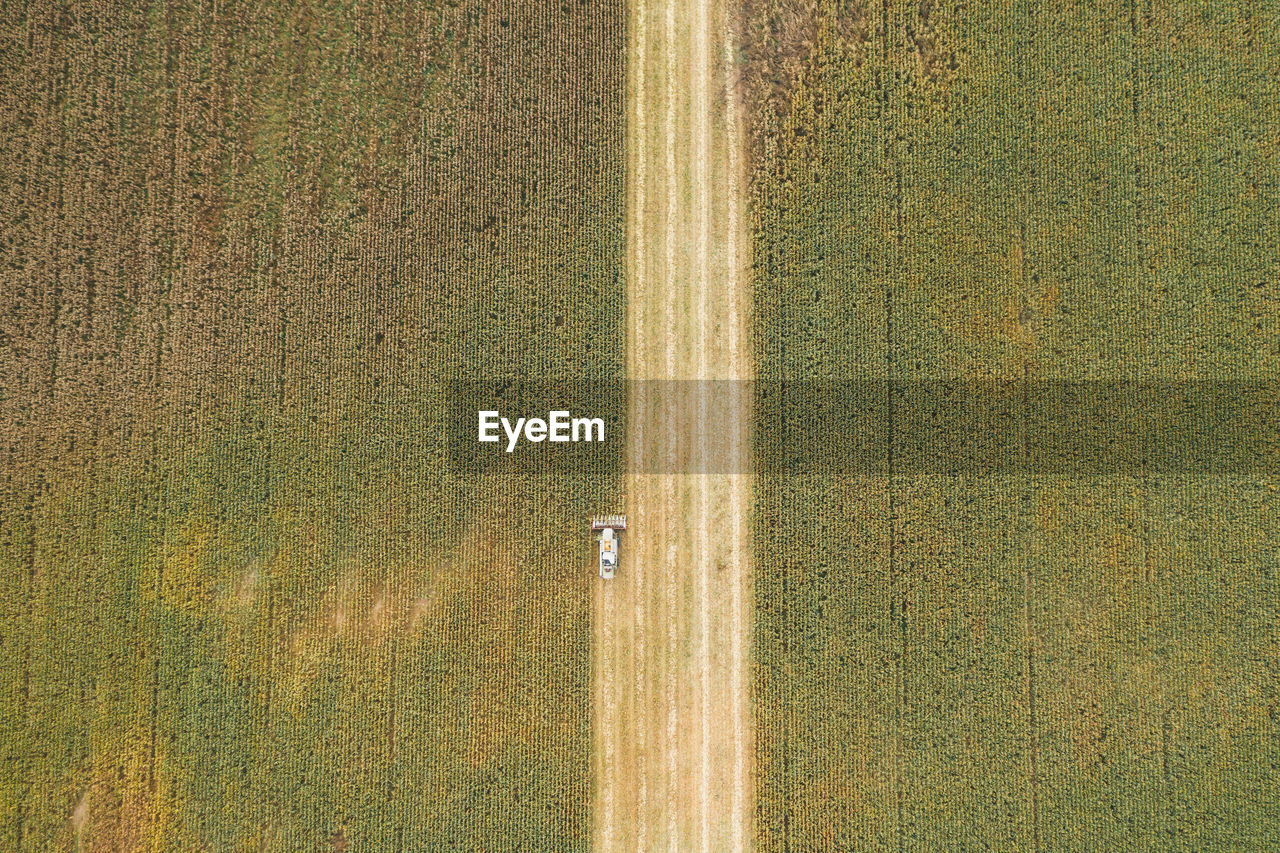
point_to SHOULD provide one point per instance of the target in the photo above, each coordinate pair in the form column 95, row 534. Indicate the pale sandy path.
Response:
column 672, row 715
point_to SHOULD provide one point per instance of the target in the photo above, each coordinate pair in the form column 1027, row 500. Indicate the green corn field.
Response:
column 1008, row 192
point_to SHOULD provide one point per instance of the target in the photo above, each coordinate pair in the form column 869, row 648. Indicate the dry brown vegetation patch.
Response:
column 778, row 43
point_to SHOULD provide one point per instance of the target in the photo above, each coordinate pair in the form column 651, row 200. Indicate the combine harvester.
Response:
column 609, row 526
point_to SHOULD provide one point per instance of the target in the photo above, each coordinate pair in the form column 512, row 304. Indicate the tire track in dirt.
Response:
column 672, row 722
column 668, row 283
column 639, row 316
column 703, row 566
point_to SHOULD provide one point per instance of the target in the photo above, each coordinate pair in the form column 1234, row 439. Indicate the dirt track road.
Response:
column 672, row 630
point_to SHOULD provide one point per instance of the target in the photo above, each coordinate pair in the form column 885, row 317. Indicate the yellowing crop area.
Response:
column 246, row 603
column 1014, row 193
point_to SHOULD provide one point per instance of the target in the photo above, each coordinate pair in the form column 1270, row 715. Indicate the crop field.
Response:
column 1004, row 193
column 246, row 604
column 254, row 259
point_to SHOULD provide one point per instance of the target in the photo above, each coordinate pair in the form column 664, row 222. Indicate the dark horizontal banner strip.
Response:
column 873, row 427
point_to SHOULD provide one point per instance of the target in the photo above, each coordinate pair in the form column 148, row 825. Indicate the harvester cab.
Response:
column 609, row 527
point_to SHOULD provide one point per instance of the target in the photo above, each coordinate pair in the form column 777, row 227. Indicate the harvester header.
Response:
column 614, row 522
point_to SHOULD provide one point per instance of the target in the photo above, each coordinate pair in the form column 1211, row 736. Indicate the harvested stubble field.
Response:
column 246, row 604
column 1007, row 192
